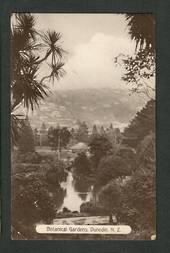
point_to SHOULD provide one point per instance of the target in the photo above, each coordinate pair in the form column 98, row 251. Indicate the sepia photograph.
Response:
column 83, row 163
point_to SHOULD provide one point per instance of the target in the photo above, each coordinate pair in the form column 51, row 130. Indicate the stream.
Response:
column 73, row 199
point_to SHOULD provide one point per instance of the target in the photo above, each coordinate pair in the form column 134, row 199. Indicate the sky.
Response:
column 92, row 41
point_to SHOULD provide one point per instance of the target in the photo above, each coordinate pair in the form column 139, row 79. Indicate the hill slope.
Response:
column 95, row 106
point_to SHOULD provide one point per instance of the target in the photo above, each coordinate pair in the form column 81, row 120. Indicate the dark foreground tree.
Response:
column 139, row 204
column 142, row 30
column 141, row 125
column 140, row 68
column 31, row 204
column 30, row 50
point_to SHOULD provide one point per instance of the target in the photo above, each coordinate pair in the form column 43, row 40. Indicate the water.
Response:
column 73, row 199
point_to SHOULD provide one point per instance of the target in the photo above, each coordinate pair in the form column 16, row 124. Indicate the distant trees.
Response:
column 58, row 137
column 82, row 132
column 43, row 138
column 26, row 140
column 102, row 131
column 36, row 137
column 94, row 131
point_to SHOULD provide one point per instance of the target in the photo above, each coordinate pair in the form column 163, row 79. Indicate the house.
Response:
column 79, row 147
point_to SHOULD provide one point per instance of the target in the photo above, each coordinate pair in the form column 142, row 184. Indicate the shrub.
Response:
column 92, row 208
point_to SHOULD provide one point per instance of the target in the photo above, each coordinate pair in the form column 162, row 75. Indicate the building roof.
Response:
column 80, row 145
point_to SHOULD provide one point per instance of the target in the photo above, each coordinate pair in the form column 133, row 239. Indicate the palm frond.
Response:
column 50, row 39
column 26, row 24
column 57, row 70
column 27, row 88
column 141, row 29
column 26, row 59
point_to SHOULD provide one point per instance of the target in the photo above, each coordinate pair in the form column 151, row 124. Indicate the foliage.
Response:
column 128, row 155
column 111, row 167
column 36, row 137
column 141, row 125
column 141, row 29
column 82, row 183
column 140, row 68
column 138, row 208
column 36, row 194
column 100, row 146
column 92, row 208
column 16, row 126
column 83, row 174
column 56, row 173
column 82, row 132
column 58, row 137
column 110, row 197
column 31, row 201
column 138, row 71
column 94, row 131
column 30, row 49
column 29, row 157
column 82, row 164
column 26, row 138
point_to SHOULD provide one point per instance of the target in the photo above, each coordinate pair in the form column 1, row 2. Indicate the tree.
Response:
column 128, row 155
column 26, row 140
column 100, row 146
column 140, row 68
column 31, row 203
column 111, row 126
column 36, row 137
column 58, row 137
column 110, row 197
column 72, row 132
column 111, row 167
column 30, row 49
column 139, row 192
column 82, row 132
column 82, row 164
column 141, row 125
column 43, row 135
column 102, row 131
column 94, row 131
column 56, row 173
column 141, row 29
column 36, row 195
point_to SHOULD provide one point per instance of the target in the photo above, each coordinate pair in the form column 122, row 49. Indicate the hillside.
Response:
column 95, row 106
